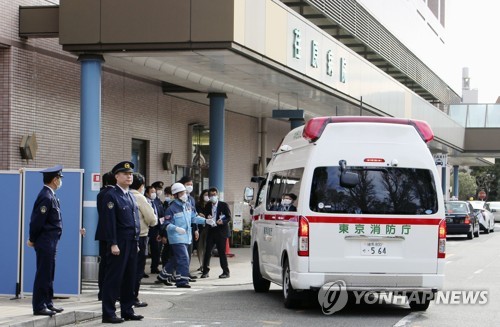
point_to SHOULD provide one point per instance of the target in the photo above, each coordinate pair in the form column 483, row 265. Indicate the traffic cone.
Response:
column 228, row 250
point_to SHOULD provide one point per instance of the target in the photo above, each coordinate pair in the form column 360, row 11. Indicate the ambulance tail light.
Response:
column 303, row 245
column 314, row 127
column 442, row 240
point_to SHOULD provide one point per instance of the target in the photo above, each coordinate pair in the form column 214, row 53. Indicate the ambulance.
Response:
column 367, row 210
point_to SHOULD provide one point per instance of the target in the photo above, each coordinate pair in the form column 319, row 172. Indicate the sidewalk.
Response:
column 18, row 312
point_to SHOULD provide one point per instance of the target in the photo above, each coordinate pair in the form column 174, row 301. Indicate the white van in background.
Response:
column 368, row 210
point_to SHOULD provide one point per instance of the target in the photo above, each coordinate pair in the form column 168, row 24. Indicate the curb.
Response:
column 60, row 319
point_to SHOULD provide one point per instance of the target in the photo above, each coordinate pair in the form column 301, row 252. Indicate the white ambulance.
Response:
column 367, row 209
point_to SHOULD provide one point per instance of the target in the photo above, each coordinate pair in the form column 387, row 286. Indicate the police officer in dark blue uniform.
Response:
column 45, row 232
column 122, row 228
column 108, row 183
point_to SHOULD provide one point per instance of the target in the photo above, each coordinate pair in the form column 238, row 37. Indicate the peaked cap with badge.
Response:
column 52, row 172
column 124, row 166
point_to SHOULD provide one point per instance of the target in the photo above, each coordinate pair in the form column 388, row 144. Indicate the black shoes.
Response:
column 204, row 276
column 192, row 277
column 44, row 312
column 112, row 320
column 184, row 286
column 55, row 309
column 133, row 317
column 164, row 281
column 140, row 304
column 155, row 271
column 224, row 275
column 145, row 275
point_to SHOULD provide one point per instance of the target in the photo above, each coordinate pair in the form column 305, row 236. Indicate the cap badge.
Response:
column 127, row 165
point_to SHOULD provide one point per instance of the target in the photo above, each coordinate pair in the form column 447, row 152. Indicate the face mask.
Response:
column 143, row 191
column 183, row 197
column 153, row 196
column 60, row 184
column 286, row 202
column 206, row 198
column 214, row 198
column 168, row 199
column 189, row 188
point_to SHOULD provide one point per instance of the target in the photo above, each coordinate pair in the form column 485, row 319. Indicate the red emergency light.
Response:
column 315, row 126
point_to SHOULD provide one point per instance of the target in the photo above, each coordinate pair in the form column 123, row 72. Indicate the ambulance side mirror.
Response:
column 349, row 179
column 248, row 194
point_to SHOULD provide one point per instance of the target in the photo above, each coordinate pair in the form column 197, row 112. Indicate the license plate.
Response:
column 373, row 248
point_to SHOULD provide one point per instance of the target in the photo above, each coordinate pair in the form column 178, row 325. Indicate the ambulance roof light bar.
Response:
column 315, row 126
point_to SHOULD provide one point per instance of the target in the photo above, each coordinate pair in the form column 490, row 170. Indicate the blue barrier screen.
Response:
column 68, row 258
column 10, row 233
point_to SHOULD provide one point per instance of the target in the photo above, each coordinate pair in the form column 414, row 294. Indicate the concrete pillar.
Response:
column 443, row 181
column 217, row 132
column 90, row 155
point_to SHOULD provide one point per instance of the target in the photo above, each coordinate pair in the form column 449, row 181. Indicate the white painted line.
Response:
column 406, row 321
column 478, row 271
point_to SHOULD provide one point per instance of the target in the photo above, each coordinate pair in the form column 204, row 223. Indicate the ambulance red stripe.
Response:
column 355, row 220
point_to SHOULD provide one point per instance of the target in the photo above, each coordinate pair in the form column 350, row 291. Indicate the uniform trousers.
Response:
column 119, row 281
column 102, row 266
column 141, row 264
column 178, row 262
column 43, row 288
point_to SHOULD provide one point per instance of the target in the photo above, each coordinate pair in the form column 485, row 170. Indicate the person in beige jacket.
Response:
column 148, row 219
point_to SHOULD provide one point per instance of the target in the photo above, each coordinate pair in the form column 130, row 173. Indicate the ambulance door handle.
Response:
column 280, row 224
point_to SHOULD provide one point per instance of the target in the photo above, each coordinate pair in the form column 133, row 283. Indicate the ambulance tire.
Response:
column 260, row 285
column 420, row 305
column 289, row 294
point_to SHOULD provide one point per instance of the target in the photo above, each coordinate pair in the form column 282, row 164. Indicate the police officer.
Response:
column 122, row 227
column 108, row 183
column 45, row 232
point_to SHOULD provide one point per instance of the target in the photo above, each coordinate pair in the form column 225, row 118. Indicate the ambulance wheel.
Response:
column 260, row 285
column 289, row 294
column 420, row 304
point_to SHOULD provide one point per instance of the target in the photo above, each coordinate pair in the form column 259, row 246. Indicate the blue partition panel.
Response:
column 10, row 233
column 68, row 258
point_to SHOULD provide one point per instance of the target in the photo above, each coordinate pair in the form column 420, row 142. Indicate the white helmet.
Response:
column 177, row 187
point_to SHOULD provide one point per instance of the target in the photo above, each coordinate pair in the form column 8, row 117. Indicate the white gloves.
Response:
column 179, row 230
column 210, row 222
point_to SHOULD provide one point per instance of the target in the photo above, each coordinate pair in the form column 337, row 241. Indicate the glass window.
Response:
column 381, row 190
column 476, row 115
column 140, row 156
column 493, row 118
column 459, row 113
column 283, row 182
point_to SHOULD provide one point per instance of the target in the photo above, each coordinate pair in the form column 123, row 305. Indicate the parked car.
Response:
column 486, row 218
column 461, row 219
column 495, row 209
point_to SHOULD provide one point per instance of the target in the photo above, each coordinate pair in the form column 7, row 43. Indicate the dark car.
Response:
column 461, row 219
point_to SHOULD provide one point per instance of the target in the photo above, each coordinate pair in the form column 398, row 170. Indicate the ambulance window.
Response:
column 286, row 181
column 381, row 190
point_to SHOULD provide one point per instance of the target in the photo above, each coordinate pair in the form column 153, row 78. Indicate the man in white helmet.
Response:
column 178, row 219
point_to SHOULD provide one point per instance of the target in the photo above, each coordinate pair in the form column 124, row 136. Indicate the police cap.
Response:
column 52, row 172
column 124, row 166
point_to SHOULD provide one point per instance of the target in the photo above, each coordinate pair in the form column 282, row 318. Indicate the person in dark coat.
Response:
column 44, row 234
column 108, row 183
column 217, row 233
column 122, row 229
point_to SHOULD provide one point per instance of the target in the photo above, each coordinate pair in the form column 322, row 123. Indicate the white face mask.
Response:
column 168, row 199
column 60, row 184
column 189, row 188
column 214, row 198
column 153, row 196
column 286, row 202
column 206, row 198
column 183, row 197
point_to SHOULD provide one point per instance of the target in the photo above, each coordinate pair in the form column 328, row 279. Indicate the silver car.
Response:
column 494, row 207
column 486, row 218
